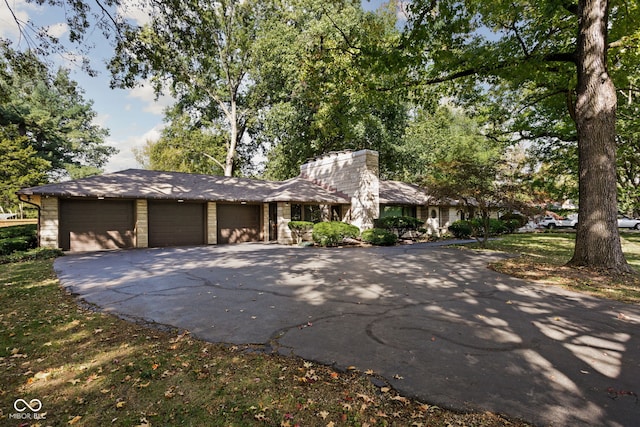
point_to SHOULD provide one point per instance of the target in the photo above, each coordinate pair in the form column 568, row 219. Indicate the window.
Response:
column 397, row 210
column 311, row 213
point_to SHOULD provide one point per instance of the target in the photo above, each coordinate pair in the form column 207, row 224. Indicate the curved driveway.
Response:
column 435, row 322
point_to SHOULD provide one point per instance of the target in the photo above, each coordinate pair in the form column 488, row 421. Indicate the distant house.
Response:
column 141, row 208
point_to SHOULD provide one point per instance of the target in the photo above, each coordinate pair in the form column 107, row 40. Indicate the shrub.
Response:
column 461, row 229
column 31, row 255
column 18, row 238
column 379, row 237
column 333, row 233
column 400, row 225
column 513, row 218
column 300, row 228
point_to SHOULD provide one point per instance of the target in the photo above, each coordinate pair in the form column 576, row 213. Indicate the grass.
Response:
column 92, row 369
column 542, row 258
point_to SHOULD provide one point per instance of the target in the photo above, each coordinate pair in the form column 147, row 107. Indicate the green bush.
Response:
column 333, row 233
column 18, row 238
column 512, row 219
column 461, row 229
column 300, row 228
column 496, row 226
column 31, row 255
column 379, row 237
column 399, row 224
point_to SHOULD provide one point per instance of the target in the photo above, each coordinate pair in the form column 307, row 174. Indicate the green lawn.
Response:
column 542, row 257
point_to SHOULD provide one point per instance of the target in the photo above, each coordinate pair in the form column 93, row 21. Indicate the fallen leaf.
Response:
column 385, row 389
column 74, row 420
column 401, row 399
column 324, row 414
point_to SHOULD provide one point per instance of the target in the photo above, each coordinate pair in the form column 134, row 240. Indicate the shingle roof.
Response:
column 402, row 193
column 138, row 183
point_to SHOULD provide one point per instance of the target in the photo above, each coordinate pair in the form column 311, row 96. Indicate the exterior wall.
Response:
column 265, row 222
column 49, row 223
column 284, row 217
column 212, row 223
column 354, row 174
column 142, row 224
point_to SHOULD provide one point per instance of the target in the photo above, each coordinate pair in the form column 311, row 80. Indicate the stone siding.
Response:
column 49, row 223
column 354, row 174
column 212, row 223
column 284, row 217
column 142, row 224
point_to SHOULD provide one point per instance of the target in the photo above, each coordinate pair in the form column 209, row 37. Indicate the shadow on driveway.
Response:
column 435, row 322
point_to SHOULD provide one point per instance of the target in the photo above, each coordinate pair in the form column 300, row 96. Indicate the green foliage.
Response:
column 31, row 255
column 18, row 238
column 333, row 233
column 461, row 229
column 205, row 49
column 519, row 220
column 321, row 65
column 47, row 112
column 399, row 224
column 185, row 147
column 379, row 237
column 19, row 167
column 300, row 228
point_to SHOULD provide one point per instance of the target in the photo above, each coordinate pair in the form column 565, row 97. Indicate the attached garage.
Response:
column 176, row 223
column 89, row 225
column 239, row 223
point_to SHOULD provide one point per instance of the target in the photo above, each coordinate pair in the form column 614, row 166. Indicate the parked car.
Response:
column 551, row 222
column 626, row 222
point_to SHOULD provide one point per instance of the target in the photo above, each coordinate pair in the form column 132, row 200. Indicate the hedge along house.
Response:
column 140, row 208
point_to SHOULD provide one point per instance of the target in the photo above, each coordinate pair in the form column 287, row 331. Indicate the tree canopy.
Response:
column 47, row 111
column 550, row 70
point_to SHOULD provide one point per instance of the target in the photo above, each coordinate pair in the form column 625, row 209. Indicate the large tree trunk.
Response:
column 597, row 239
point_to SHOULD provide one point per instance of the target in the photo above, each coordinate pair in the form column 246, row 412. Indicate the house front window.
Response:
column 300, row 212
column 398, row 210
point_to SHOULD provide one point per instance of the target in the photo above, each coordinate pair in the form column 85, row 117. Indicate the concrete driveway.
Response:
column 435, row 322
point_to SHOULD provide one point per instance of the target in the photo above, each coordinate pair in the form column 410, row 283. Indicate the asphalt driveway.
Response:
column 435, row 322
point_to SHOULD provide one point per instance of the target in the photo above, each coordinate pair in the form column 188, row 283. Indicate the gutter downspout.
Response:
column 38, row 208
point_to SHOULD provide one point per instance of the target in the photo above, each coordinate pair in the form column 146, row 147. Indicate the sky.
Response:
column 132, row 116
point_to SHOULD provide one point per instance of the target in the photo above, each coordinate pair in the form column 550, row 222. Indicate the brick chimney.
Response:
column 354, row 174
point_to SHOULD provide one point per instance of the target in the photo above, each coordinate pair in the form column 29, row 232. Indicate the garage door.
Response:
column 89, row 225
column 238, row 223
column 172, row 223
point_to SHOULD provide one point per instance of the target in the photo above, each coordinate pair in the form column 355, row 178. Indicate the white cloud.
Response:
column 125, row 158
column 145, row 93
column 136, row 10
column 57, row 30
column 21, row 9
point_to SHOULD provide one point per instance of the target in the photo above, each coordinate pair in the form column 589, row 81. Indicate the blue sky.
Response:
column 132, row 116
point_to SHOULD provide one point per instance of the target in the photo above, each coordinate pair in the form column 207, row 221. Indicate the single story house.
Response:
column 142, row 208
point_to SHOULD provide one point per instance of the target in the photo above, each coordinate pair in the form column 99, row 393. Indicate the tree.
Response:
column 49, row 112
column 553, row 59
column 202, row 52
column 183, row 147
column 82, row 20
column 19, row 166
column 319, row 64
column 466, row 166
